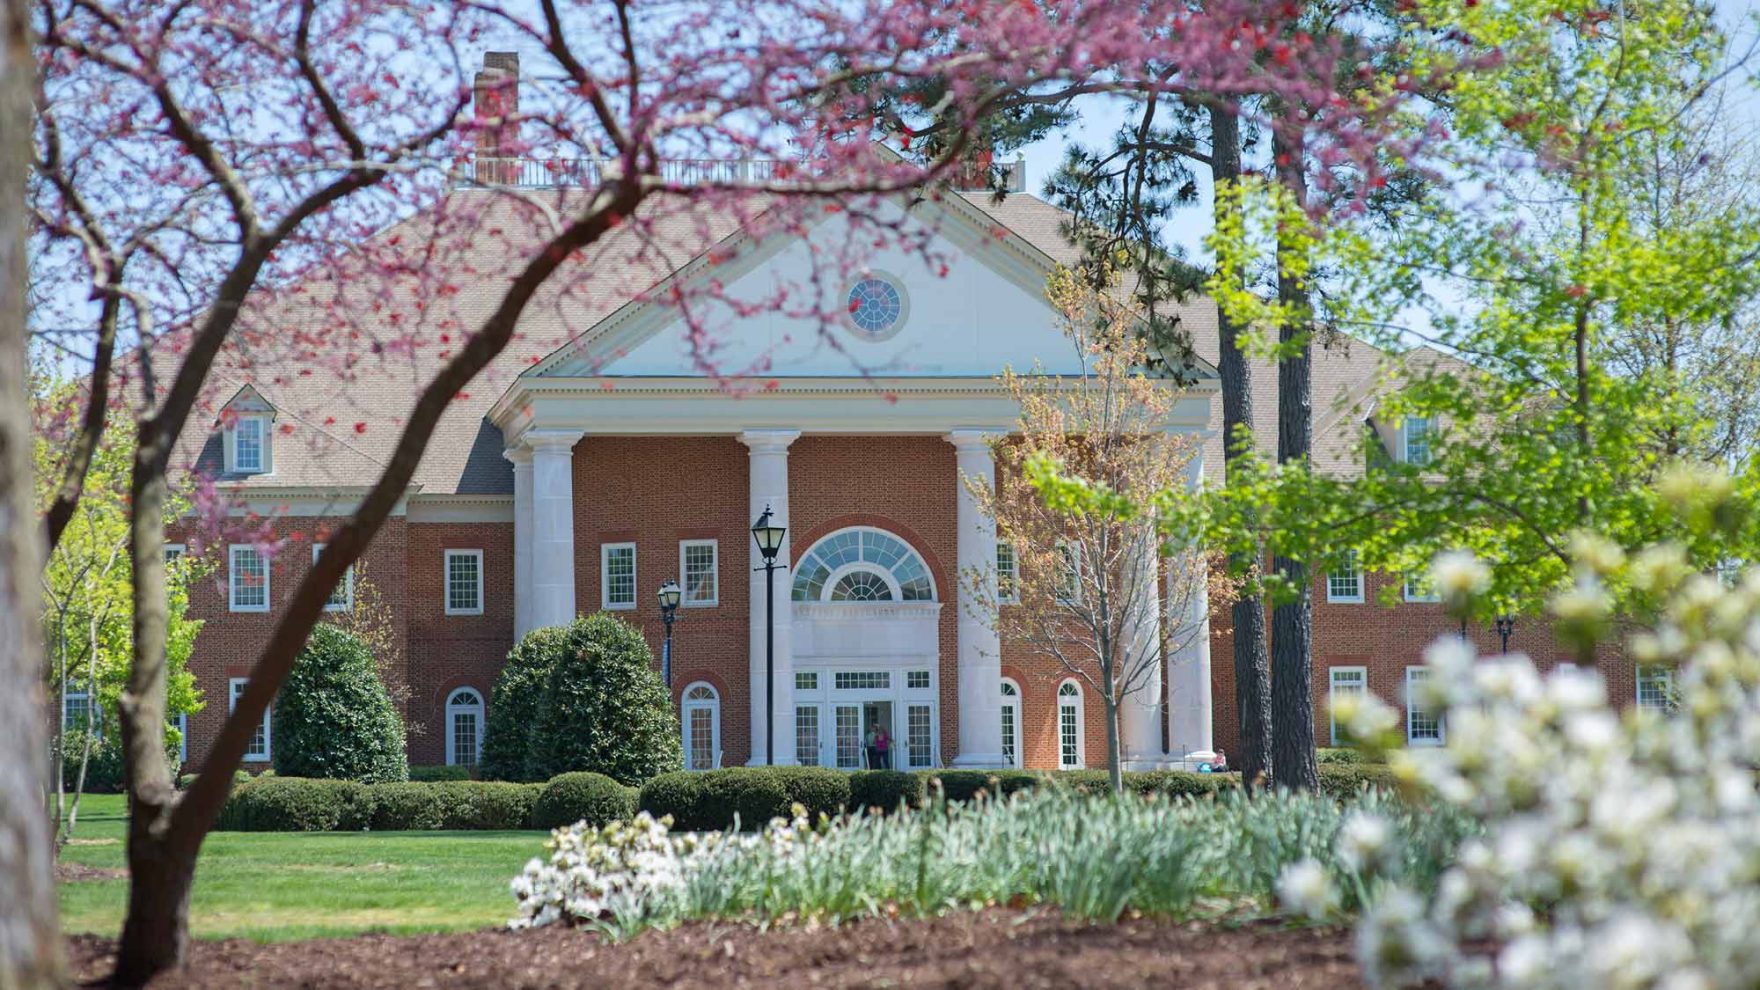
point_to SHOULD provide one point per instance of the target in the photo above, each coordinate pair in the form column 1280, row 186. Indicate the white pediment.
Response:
column 986, row 312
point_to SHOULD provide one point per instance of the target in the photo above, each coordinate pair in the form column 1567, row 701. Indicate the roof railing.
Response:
column 550, row 173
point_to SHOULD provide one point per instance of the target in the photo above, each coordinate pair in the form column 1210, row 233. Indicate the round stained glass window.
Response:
column 875, row 306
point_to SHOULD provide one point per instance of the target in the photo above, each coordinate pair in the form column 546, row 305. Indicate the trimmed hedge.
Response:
column 590, row 797
column 697, row 801
column 334, row 718
column 437, row 772
column 709, row 800
column 305, row 804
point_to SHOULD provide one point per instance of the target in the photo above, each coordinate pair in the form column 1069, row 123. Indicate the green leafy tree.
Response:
column 334, row 719
column 88, row 613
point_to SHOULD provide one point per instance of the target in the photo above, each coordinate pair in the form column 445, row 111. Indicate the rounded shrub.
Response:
column 438, row 772
column 885, row 790
column 516, row 701
column 584, row 697
column 1347, row 780
column 583, row 797
column 964, row 785
column 403, row 806
column 334, row 718
column 489, row 804
column 679, row 794
column 103, row 763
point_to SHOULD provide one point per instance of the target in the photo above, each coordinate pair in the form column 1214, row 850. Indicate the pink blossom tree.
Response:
column 330, row 192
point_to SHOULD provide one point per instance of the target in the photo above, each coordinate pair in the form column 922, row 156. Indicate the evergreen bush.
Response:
column 583, row 797
column 584, row 697
column 334, row 719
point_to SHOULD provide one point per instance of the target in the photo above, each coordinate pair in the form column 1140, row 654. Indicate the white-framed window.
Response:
column 861, row 564
column 248, row 443
column 247, row 579
column 806, row 680
column 78, row 712
column 1340, row 682
column 700, row 719
column 1008, row 576
column 181, row 722
column 174, row 552
column 258, row 750
column 919, row 736
column 464, row 582
column 1419, row 589
column 1070, row 745
column 1069, row 574
column 861, row 680
column 1656, row 687
column 1423, row 723
column 806, row 735
column 1344, row 583
column 342, row 596
column 1417, row 433
column 617, row 575
column 464, row 727
column 916, row 679
column 700, row 563
column 1011, row 724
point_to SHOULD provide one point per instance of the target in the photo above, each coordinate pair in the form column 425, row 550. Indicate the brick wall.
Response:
column 447, row 652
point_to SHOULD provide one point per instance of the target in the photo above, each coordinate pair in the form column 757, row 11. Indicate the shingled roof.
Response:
column 341, row 354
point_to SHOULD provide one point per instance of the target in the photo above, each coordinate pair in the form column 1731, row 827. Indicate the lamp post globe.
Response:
column 669, row 596
column 1506, row 625
column 768, row 535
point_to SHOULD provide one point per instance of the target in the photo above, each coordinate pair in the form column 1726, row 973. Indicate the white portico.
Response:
column 857, row 634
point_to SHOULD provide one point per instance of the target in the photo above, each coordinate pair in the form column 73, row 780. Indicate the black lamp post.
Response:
column 1506, row 624
column 669, row 596
column 769, row 537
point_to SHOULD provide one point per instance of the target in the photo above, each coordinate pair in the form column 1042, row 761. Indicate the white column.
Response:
column 1139, row 716
column 980, row 647
column 1189, row 701
column 553, row 553
column 521, row 456
column 769, row 488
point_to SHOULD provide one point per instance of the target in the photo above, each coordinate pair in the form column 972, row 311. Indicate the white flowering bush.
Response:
column 1620, row 849
column 1092, row 857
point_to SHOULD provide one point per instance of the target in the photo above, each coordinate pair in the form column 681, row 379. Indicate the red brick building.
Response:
column 591, row 463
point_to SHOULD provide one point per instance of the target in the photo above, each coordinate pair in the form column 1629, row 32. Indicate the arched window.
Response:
column 1069, row 726
column 464, row 727
column 1011, row 724
column 700, row 718
column 861, row 564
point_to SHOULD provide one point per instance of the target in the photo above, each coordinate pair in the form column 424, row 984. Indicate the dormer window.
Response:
column 248, row 423
column 247, row 445
column 1418, row 431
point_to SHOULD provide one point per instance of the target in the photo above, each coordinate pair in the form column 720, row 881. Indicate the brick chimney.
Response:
column 496, row 95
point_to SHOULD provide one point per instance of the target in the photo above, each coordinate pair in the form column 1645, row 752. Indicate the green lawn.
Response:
column 273, row 886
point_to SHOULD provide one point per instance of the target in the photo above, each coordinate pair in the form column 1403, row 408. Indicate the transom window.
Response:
column 806, row 680
column 464, row 582
column 464, row 727
column 862, row 565
column 861, row 680
column 876, row 306
column 916, row 679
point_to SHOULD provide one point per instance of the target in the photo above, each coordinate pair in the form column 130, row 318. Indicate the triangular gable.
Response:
column 988, row 311
column 246, row 400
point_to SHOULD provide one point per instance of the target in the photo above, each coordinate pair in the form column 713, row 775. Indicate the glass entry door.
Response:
column 848, row 726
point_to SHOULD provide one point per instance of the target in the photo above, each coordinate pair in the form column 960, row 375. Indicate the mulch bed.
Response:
column 999, row 948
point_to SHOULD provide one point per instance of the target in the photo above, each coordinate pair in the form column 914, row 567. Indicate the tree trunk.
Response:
column 30, row 939
column 1292, row 692
column 1114, row 752
column 1252, row 670
column 161, row 863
